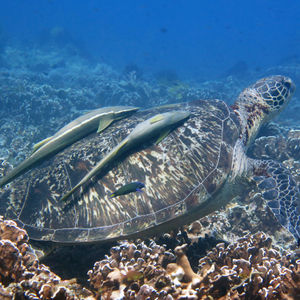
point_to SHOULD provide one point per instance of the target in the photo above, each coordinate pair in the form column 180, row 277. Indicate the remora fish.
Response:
column 128, row 188
column 158, row 126
column 99, row 118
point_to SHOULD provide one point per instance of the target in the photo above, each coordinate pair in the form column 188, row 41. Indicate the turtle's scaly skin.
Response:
column 179, row 173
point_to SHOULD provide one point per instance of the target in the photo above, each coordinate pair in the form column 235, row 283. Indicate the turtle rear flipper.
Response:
column 281, row 193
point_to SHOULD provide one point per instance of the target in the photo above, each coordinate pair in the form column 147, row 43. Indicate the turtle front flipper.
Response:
column 281, row 193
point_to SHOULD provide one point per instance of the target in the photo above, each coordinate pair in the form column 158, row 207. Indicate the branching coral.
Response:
column 247, row 269
column 252, row 270
column 21, row 274
column 129, row 268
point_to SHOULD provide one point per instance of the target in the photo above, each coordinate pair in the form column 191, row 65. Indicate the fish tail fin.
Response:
column 112, row 195
column 68, row 194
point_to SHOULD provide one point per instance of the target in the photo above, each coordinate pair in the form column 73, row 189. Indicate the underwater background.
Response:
column 62, row 58
column 196, row 39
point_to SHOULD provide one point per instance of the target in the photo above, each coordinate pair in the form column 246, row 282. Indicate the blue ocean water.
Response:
column 198, row 39
column 62, row 58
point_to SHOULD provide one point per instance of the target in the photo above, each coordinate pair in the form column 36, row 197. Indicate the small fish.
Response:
column 96, row 120
column 128, row 188
column 156, row 128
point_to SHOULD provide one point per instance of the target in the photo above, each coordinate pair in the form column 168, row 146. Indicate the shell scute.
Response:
column 139, row 223
column 196, row 197
column 74, row 234
column 106, row 232
column 170, row 212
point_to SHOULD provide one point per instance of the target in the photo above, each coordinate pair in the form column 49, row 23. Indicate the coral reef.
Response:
column 23, row 277
column 120, row 274
column 41, row 84
column 282, row 146
column 247, row 269
column 250, row 269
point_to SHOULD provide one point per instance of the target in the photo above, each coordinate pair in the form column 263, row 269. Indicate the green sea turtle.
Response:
column 196, row 169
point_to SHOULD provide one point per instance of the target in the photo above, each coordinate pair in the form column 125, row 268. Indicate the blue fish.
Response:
column 128, row 188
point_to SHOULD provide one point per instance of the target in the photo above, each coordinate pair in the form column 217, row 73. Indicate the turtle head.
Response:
column 275, row 93
column 261, row 102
